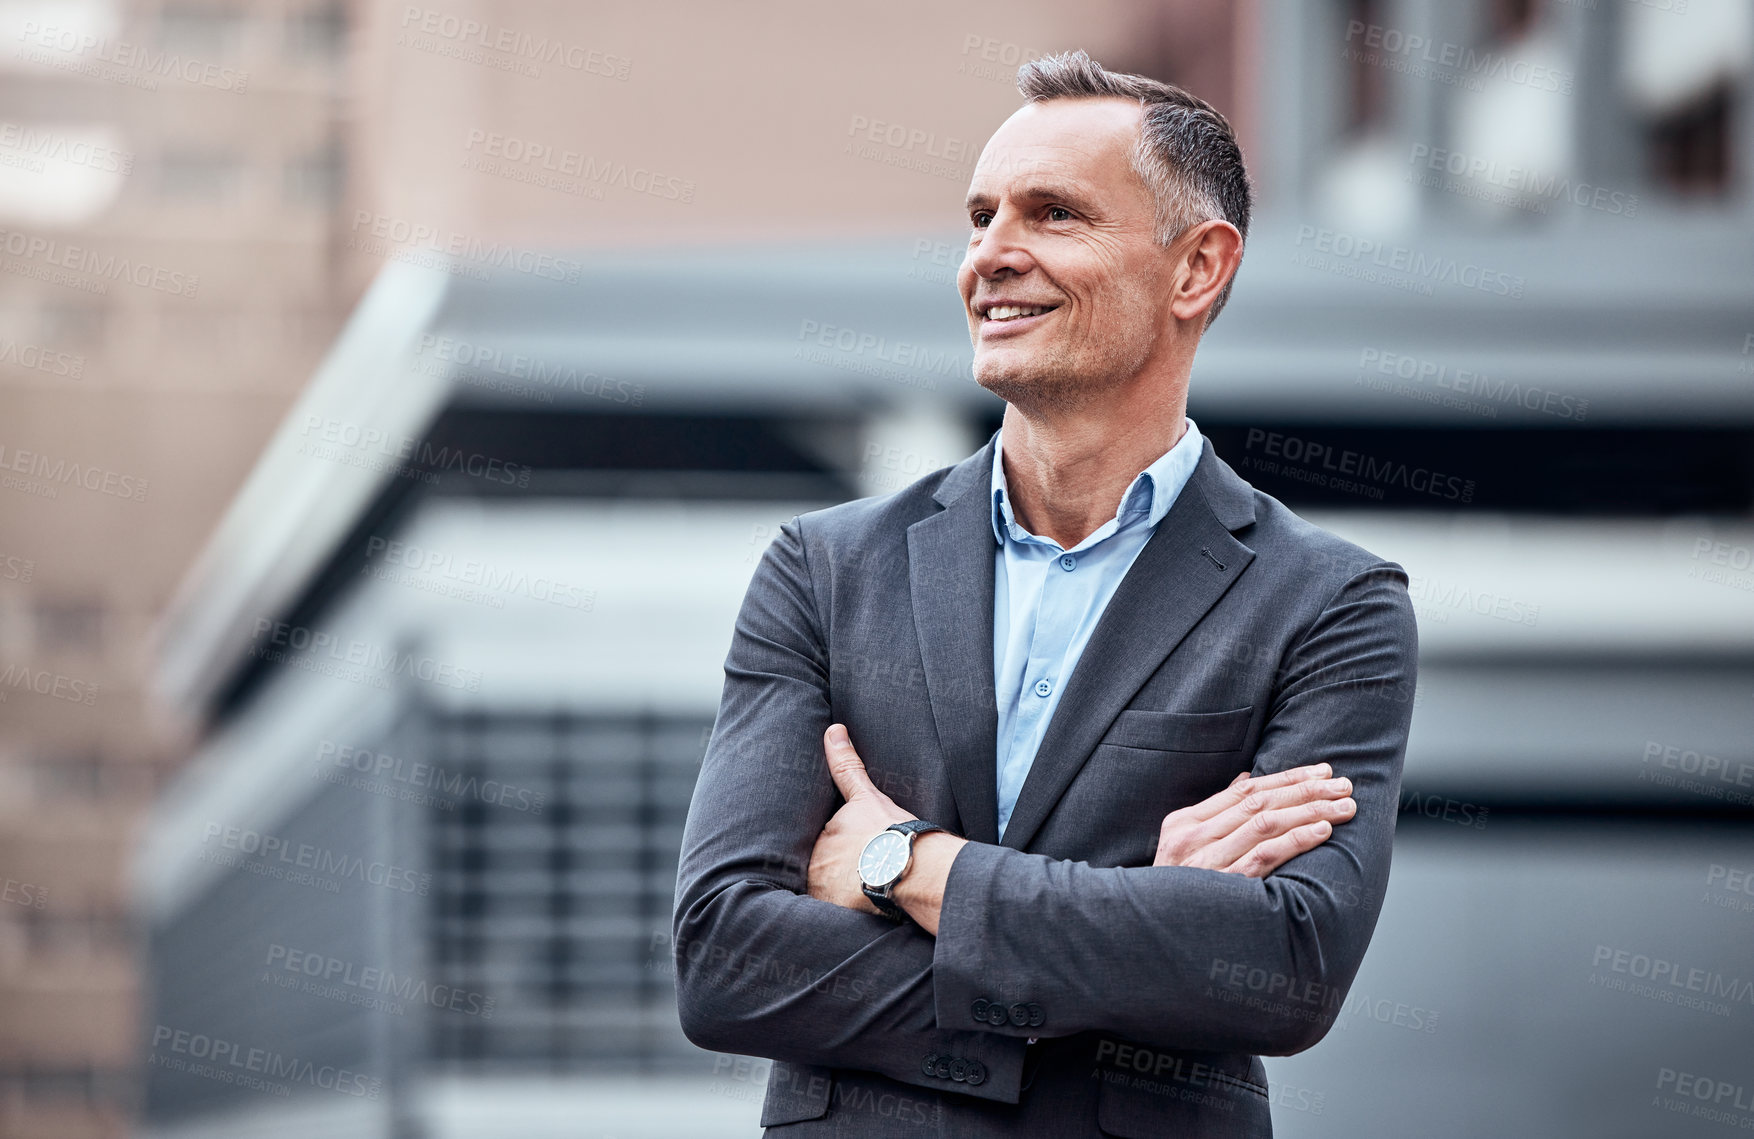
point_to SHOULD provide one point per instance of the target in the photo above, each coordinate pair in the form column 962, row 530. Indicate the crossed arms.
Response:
column 1252, row 827
column 1148, row 953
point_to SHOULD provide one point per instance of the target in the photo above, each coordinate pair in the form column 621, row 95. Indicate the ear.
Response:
column 1207, row 258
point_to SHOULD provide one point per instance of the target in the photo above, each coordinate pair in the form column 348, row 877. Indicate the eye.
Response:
column 982, row 219
column 1059, row 213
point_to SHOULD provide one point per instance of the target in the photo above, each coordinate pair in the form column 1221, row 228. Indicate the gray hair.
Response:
column 1186, row 155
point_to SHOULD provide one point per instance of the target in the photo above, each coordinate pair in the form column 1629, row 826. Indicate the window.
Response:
column 552, row 896
column 198, row 175
column 1689, row 148
column 88, row 775
column 81, row 932
column 1365, row 79
column 88, row 1087
column 71, row 325
column 317, row 33
column 317, row 178
column 69, row 625
column 1510, row 19
column 1684, row 74
column 204, row 31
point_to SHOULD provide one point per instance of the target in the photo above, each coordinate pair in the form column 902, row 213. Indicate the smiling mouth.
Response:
column 1002, row 313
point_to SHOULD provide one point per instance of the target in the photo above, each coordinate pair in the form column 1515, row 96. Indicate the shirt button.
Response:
column 1044, row 687
column 930, row 1067
column 980, row 1009
column 1019, row 1015
column 977, row 1073
column 1068, row 562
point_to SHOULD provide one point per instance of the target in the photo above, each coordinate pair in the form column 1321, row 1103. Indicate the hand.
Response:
column 834, row 864
column 1255, row 826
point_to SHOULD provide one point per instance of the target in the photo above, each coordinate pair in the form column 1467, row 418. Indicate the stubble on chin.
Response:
column 1038, row 388
column 1055, row 382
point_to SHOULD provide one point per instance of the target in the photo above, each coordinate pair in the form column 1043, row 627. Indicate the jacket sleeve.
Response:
column 1199, row 959
column 762, row 968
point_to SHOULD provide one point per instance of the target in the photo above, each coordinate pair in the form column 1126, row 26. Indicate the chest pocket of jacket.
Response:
column 1181, row 731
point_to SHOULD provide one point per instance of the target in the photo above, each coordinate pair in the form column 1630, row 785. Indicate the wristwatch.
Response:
column 886, row 858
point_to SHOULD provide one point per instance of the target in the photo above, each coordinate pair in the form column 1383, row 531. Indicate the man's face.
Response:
column 1061, row 223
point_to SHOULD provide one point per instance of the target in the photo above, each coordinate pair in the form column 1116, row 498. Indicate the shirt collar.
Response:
column 1149, row 496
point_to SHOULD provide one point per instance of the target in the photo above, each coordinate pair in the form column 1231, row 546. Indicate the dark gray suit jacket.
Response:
column 1241, row 637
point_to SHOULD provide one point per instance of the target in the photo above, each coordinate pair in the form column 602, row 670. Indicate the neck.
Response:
column 1065, row 470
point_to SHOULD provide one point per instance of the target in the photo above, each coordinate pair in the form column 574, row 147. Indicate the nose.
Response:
column 1002, row 247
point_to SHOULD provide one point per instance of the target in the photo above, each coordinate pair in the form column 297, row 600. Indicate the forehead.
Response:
column 1083, row 141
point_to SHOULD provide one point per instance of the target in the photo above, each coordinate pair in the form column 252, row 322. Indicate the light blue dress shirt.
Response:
column 1047, row 601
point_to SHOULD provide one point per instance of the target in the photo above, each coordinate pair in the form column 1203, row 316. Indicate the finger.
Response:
column 1254, row 817
column 1256, row 803
column 1289, row 776
column 1270, row 855
column 1246, row 785
column 844, row 765
column 1272, row 825
column 1241, row 788
column 1217, row 843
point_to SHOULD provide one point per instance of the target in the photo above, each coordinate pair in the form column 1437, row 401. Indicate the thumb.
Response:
column 844, row 764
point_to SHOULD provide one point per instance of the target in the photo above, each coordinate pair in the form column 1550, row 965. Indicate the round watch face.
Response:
column 883, row 859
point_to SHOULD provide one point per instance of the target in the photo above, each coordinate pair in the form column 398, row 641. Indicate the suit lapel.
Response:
column 1184, row 569
column 950, row 577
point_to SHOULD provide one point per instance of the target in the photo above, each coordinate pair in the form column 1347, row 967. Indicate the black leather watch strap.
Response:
column 885, row 905
column 913, row 828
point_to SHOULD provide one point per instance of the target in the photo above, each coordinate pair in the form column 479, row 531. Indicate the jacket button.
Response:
column 1019, row 1015
column 995, row 1014
column 1036, row 1016
column 942, row 1068
column 977, row 1073
column 930, row 1067
column 980, row 1009
column 959, row 1069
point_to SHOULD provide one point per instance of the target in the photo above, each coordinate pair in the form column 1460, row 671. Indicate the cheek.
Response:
column 1128, row 304
column 1101, row 286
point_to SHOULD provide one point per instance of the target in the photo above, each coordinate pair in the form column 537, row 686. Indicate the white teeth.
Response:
column 1012, row 312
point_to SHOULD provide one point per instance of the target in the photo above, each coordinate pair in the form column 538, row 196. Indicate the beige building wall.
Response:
column 169, row 190
column 758, row 121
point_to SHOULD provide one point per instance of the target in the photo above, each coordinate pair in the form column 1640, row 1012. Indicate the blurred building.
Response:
column 170, row 180
column 460, row 648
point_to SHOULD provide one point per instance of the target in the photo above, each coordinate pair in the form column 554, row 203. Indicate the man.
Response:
column 1158, row 718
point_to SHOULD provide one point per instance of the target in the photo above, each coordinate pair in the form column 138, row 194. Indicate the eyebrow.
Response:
column 1034, row 192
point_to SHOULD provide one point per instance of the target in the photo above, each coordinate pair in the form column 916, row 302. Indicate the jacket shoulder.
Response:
column 877, row 514
column 1281, row 536
column 876, row 526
